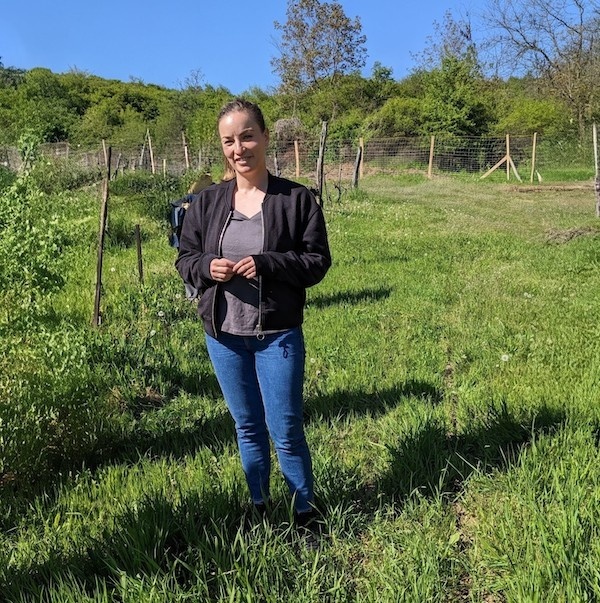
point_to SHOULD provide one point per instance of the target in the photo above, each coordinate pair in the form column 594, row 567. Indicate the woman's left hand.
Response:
column 246, row 267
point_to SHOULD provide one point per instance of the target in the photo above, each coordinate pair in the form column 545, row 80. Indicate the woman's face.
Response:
column 244, row 144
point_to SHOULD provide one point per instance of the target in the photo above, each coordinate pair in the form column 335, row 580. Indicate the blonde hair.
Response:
column 199, row 184
column 228, row 172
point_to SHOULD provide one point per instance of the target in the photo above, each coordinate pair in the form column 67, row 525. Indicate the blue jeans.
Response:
column 262, row 385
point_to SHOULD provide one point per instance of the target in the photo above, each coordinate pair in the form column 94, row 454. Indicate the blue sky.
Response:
column 230, row 43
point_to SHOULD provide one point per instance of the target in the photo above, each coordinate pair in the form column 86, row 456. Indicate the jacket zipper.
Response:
column 219, row 251
column 259, row 327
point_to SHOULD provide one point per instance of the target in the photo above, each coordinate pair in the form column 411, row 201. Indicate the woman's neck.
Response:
column 247, row 184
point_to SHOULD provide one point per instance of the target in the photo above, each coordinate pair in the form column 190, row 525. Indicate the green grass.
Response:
column 453, row 362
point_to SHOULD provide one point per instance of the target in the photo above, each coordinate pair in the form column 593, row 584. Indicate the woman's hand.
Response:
column 246, row 267
column 221, row 270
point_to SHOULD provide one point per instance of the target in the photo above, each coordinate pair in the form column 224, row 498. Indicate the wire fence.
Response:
column 524, row 157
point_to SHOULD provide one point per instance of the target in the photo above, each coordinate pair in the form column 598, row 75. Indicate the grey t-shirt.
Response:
column 237, row 304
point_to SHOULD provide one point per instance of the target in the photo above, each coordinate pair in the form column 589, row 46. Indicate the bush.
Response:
column 51, row 415
column 141, row 182
column 52, row 176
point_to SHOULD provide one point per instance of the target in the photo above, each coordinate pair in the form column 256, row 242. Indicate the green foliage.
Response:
column 51, row 414
column 400, row 116
column 7, row 177
column 31, row 243
column 449, row 409
column 521, row 110
column 453, row 102
column 318, row 42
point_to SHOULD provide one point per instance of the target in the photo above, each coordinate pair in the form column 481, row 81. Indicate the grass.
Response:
column 451, row 406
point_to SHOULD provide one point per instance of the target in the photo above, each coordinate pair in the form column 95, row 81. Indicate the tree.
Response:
column 556, row 41
column 452, row 38
column 318, row 41
column 454, row 99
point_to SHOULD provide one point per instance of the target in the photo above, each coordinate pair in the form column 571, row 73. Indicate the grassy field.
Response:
column 452, row 389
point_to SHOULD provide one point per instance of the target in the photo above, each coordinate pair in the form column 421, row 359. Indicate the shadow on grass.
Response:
column 150, row 538
column 376, row 403
column 433, row 461
column 349, row 298
column 156, row 536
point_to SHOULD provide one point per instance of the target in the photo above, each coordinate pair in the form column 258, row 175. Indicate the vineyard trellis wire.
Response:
column 431, row 155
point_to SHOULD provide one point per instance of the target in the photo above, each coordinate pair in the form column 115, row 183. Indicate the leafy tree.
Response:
column 10, row 77
column 521, row 108
column 43, row 105
column 318, row 41
column 555, row 40
column 399, row 116
column 454, row 100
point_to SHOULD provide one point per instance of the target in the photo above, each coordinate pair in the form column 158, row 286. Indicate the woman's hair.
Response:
column 240, row 104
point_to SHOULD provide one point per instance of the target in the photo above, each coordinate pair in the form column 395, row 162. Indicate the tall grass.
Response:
column 451, row 406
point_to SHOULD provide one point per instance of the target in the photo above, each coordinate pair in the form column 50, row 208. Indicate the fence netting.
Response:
column 289, row 158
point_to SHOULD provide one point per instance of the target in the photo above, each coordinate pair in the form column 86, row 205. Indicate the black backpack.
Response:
column 176, row 217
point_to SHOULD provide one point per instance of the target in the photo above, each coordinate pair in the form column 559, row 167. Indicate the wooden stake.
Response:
column 118, row 164
column 357, row 167
column 430, row 168
column 508, row 157
column 164, row 167
column 321, row 162
column 138, row 242
column 533, row 156
column 96, row 319
column 597, row 179
column 494, row 167
column 361, row 143
column 185, row 151
column 514, row 169
column 297, row 155
column 141, row 162
column 276, row 162
column 105, row 152
column 595, row 139
column 151, row 152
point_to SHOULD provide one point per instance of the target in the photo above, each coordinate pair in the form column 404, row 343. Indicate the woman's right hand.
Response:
column 221, row 270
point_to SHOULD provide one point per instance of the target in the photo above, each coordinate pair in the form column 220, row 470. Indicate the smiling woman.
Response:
column 252, row 245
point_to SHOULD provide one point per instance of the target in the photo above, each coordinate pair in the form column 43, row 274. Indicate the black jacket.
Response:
column 295, row 251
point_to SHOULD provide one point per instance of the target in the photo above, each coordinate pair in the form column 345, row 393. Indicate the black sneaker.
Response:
column 310, row 529
column 256, row 514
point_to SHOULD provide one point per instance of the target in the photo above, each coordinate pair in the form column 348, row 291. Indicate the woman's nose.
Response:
column 238, row 147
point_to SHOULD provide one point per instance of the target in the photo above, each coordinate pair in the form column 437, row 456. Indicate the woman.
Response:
column 252, row 245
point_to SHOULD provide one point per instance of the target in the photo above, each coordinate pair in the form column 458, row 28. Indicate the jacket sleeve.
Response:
column 193, row 262
column 304, row 266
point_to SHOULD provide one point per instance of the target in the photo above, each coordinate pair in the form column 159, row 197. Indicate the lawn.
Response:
column 453, row 369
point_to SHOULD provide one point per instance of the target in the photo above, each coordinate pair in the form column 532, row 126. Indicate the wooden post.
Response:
column 533, row 156
column 138, row 242
column 297, row 156
column 97, row 319
column 118, row 164
column 141, row 162
column 357, row 167
column 151, row 152
column 276, row 162
column 321, row 162
column 507, row 157
column 105, row 151
column 361, row 143
column 430, row 166
column 597, row 179
column 185, row 151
